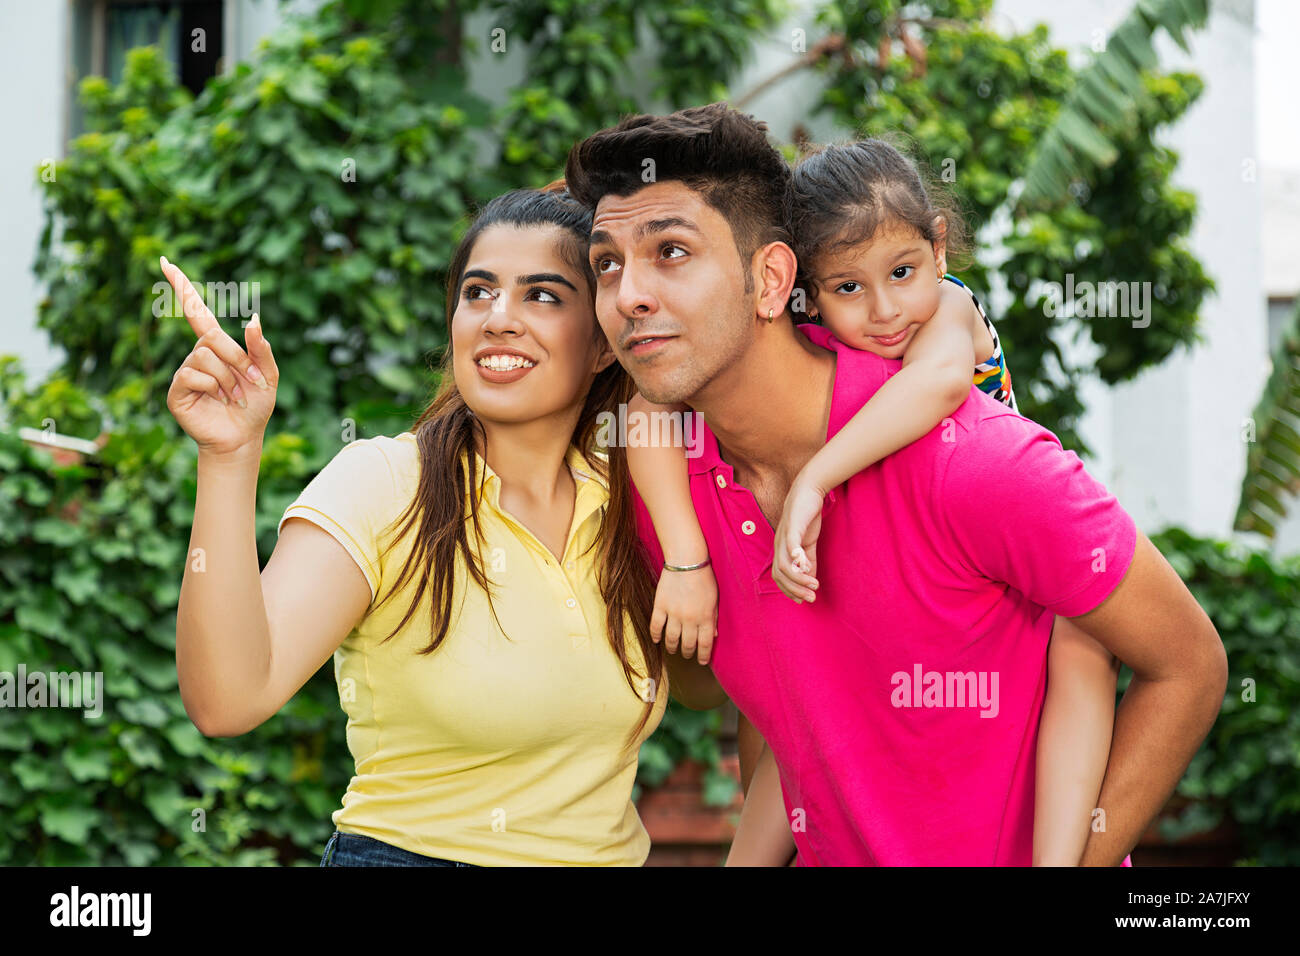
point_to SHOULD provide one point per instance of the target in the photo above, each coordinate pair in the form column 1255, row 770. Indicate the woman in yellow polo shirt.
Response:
column 487, row 729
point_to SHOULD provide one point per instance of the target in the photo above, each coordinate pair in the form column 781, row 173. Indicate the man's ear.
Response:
column 776, row 268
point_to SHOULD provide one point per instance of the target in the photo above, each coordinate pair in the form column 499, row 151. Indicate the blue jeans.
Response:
column 352, row 849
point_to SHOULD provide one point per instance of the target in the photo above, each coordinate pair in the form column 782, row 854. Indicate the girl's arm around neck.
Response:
column 936, row 378
column 660, row 475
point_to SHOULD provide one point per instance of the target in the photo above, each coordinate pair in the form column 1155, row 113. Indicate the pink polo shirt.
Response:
column 902, row 706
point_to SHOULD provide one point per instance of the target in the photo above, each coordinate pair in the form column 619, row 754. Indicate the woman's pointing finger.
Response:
column 198, row 315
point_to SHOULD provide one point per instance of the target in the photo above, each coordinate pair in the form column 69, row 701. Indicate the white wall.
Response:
column 35, row 56
column 1169, row 444
column 35, row 73
column 248, row 21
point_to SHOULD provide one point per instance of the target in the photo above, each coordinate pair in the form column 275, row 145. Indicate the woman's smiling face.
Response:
column 876, row 295
column 524, row 337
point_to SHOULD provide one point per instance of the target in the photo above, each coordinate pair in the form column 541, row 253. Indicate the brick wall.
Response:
column 683, row 831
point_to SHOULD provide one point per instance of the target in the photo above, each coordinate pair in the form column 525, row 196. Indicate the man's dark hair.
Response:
column 719, row 152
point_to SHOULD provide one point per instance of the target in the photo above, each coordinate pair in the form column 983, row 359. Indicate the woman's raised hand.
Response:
column 221, row 395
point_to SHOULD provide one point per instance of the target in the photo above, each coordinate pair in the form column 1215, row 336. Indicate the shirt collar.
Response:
column 592, row 489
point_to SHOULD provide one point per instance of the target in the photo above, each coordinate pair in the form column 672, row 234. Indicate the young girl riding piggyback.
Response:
column 872, row 240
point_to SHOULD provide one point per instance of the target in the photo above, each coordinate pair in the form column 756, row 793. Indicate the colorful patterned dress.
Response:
column 992, row 375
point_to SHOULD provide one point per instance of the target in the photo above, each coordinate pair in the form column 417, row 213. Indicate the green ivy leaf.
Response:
column 148, row 712
column 34, row 773
column 141, row 748
column 87, row 761
column 72, row 822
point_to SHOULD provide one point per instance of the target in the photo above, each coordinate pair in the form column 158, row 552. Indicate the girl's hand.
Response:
column 221, row 395
column 686, row 611
column 794, row 565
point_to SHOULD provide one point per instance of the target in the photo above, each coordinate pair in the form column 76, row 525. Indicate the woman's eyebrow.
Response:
column 533, row 278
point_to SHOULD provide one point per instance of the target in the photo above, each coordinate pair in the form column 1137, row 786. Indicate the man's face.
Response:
column 670, row 289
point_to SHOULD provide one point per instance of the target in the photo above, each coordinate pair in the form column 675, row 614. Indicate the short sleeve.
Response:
column 1024, row 511
column 352, row 500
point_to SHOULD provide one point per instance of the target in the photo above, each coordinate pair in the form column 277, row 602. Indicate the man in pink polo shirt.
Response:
column 902, row 706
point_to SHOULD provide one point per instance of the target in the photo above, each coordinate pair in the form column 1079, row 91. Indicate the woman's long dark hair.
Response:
column 448, row 434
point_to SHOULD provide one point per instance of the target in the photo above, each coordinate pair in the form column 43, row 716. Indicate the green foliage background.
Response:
column 246, row 184
column 1248, row 769
column 980, row 107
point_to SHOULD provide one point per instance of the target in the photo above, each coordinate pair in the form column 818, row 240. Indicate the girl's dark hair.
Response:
column 447, row 434
column 845, row 194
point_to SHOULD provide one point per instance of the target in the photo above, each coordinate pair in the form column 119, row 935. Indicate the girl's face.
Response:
column 525, row 343
column 875, row 295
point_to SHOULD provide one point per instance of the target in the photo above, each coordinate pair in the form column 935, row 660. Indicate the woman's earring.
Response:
column 769, row 315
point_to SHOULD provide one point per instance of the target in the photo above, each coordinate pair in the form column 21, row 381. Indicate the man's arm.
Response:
column 1056, row 527
column 693, row 683
column 1152, row 623
column 749, row 748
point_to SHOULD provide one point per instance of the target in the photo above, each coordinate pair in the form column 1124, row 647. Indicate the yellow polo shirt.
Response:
column 496, row 749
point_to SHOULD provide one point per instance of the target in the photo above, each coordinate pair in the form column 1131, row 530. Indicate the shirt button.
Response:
column 747, row 527
column 722, row 482
column 569, row 565
column 570, row 603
